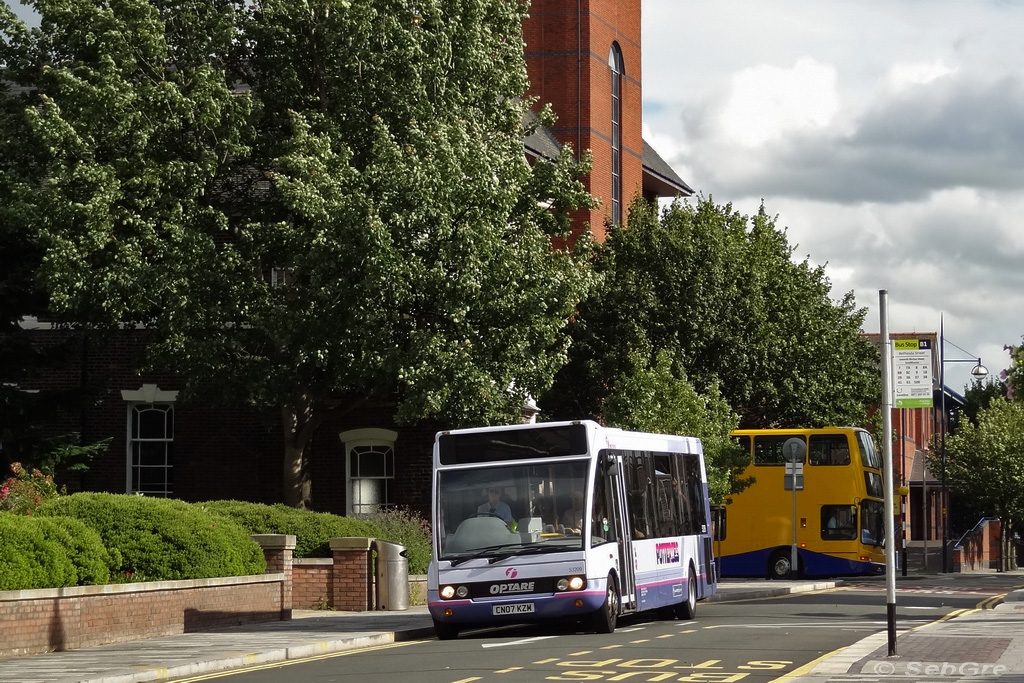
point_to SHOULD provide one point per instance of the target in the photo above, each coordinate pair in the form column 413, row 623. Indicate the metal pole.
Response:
column 903, row 499
column 890, row 542
column 794, row 556
column 942, row 431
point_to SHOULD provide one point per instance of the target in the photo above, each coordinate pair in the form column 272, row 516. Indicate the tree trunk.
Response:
column 297, row 428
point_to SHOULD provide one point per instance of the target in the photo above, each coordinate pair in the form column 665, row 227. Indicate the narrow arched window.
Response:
column 615, row 65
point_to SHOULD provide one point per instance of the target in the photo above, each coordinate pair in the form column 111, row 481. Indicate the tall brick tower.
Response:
column 584, row 58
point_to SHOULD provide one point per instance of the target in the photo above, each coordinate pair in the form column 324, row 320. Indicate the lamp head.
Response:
column 979, row 371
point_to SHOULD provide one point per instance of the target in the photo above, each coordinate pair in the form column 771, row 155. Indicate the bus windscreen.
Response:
column 512, row 444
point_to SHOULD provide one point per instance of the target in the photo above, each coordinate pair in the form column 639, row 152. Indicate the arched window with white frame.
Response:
column 150, row 441
column 369, row 469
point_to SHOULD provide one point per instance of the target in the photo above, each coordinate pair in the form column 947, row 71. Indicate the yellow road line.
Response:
column 806, row 668
column 302, row 660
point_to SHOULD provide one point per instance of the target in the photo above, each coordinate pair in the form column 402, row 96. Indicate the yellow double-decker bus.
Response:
column 839, row 518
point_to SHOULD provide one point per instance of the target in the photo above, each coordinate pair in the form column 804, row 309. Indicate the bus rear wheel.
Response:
column 607, row 616
column 780, row 566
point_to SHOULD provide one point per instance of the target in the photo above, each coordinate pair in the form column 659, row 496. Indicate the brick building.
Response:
column 584, row 57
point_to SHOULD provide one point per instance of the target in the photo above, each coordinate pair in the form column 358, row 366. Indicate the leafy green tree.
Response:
column 655, row 396
column 27, row 408
column 722, row 292
column 979, row 395
column 308, row 204
column 1015, row 374
column 985, row 462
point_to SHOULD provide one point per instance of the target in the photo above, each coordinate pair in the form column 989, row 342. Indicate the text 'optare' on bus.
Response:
column 839, row 515
column 566, row 520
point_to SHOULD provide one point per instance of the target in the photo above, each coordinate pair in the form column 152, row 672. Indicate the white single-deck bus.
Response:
column 566, row 520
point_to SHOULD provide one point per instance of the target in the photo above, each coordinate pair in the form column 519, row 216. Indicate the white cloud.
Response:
column 916, row 73
column 764, row 103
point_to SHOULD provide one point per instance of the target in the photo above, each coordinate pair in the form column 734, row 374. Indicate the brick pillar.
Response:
column 279, row 550
column 353, row 574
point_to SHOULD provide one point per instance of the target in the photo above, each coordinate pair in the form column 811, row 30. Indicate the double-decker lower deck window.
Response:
column 839, row 522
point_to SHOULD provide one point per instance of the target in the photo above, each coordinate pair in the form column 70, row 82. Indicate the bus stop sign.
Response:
column 793, row 450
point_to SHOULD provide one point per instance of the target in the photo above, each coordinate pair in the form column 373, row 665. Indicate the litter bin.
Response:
column 392, row 576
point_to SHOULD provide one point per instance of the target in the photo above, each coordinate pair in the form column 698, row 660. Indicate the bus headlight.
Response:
column 449, row 592
column 572, row 583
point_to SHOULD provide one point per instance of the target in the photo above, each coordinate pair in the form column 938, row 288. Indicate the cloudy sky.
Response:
column 886, row 135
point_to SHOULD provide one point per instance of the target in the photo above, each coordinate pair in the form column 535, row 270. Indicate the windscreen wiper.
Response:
column 528, row 550
column 483, row 552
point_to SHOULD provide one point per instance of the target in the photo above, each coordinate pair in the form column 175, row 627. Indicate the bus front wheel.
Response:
column 688, row 608
column 445, row 631
column 605, row 618
column 780, row 566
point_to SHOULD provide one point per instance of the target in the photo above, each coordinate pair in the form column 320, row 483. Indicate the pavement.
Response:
column 964, row 644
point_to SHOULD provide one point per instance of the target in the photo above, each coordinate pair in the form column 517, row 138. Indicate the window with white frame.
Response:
column 150, row 441
column 369, row 469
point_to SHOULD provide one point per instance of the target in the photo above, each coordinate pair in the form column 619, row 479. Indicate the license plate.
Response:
column 518, row 608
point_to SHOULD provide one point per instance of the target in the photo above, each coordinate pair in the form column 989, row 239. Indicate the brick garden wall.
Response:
column 980, row 550
column 49, row 620
column 36, row 621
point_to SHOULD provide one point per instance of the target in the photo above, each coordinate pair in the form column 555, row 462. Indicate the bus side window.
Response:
column 637, row 483
column 603, row 529
column 743, row 441
column 838, row 522
column 829, row 449
column 768, row 450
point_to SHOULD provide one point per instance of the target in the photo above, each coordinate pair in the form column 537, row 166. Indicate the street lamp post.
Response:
column 977, row 371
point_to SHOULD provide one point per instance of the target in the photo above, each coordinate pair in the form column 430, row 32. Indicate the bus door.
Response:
column 616, row 494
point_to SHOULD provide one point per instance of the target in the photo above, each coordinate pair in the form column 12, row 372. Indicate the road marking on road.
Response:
column 301, row 660
column 820, row 624
column 517, row 642
column 508, row 670
column 806, row 668
column 990, row 603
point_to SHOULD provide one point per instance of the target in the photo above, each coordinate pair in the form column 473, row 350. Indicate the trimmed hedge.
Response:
column 161, row 539
column 51, row 552
column 98, row 538
column 314, row 530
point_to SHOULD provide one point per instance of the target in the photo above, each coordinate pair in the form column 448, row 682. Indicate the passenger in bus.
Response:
column 544, row 508
column 495, row 506
column 840, row 456
column 573, row 518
